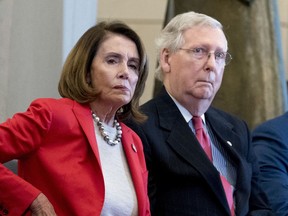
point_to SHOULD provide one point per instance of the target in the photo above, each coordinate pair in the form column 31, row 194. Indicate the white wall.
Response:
column 35, row 37
column 77, row 18
column 35, row 52
column 5, row 29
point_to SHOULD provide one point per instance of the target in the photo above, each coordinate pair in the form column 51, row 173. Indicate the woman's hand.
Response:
column 42, row 207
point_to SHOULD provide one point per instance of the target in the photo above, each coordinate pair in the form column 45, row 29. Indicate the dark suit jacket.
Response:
column 270, row 142
column 182, row 180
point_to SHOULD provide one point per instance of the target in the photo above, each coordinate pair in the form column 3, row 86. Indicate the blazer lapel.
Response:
column 131, row 152
column 83, row 115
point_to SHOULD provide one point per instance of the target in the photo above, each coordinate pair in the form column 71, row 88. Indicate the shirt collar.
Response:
column 185, row 113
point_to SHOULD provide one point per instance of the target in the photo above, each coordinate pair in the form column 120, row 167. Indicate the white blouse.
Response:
column 120, row 195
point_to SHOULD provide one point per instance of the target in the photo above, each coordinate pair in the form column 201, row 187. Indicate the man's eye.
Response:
column 220, row 55
column 199, row 50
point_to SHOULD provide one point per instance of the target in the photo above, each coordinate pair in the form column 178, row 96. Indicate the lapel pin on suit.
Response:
column 229, row 143
column 134, row 147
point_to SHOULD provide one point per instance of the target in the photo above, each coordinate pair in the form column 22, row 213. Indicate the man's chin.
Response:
column 205, row 95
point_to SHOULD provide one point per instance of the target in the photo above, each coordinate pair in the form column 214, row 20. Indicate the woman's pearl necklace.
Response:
column 104, row 134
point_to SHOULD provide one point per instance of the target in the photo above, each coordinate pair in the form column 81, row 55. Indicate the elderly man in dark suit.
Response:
column 270, row 142
column 203, row 167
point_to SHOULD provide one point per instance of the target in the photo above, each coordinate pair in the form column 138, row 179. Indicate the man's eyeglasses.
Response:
column 200, row 53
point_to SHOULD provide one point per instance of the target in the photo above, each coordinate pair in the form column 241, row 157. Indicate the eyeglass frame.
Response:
column 208, row 54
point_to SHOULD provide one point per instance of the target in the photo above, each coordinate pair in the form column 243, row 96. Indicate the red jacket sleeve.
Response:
column 19, row 136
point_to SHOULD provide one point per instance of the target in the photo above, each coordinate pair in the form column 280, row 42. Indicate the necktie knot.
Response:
column 197, row 123
column 201, row 135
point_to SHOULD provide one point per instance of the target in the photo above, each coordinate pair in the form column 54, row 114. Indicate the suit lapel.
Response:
column 182, row 140
column 223, row 131
column 231, row 142
column 227, row 138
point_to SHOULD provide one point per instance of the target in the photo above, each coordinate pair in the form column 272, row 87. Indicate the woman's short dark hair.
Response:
column 73, row 81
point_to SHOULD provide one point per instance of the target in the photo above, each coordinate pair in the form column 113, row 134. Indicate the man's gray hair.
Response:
column 171, row 37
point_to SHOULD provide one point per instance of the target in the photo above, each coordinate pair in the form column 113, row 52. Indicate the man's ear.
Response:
column 165, row 60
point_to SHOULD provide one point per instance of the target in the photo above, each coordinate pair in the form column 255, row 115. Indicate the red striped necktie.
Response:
column 203, row 139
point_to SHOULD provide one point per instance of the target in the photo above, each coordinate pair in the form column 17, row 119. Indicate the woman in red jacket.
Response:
column 75, row 155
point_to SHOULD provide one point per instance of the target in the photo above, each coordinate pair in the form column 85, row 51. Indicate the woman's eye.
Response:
column 133, row 64
column 112, row 60
column 134, row 67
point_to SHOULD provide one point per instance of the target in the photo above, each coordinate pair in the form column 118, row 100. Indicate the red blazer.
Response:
column 55, row 143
